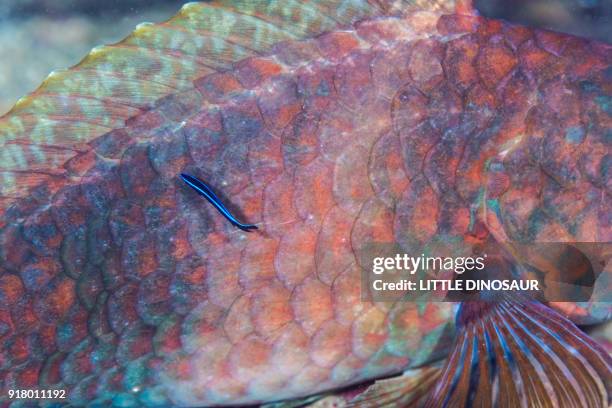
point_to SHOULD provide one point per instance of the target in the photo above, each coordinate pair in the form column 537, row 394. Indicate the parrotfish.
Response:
column 334, row 126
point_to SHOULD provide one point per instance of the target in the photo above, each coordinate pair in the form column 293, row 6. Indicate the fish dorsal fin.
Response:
column 73, row 107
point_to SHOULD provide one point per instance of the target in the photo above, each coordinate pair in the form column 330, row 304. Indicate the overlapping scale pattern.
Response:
column 127, row 289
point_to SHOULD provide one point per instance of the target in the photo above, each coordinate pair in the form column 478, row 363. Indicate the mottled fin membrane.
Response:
column 113, row 83
column 522, row 354
column 407, row 390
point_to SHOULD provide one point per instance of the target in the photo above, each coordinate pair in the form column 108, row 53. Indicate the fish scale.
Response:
column 122, row 288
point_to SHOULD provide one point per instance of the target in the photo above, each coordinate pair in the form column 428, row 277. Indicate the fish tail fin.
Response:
column 520, row 353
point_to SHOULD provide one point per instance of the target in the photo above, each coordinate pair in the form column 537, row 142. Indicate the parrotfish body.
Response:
column 330, row 125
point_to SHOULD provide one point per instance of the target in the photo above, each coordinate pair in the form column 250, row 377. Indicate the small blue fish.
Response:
column 202, row 189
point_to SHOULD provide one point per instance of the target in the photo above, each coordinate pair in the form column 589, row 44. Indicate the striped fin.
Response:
column 113, row 83
column 522, row 354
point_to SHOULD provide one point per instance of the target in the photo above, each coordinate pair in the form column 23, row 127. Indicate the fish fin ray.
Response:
column 520, row 353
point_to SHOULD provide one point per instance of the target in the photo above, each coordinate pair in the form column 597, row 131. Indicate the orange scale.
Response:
column 17, row 350
column 425, row 66
column 369, row 333
column 515, row 35
column 279, row 212
column 336, row 130
column 374, row 225
column 265, row 160
column 180, row 368
column 488, row 28
column 494, row 62
column 346, row 369
column 381, row 29
column 351, row 184
column 135, row 343
column 388, row 69
column 312, row 304
column 137, row 175
column 45, row 340
column 252, row 72
column 459, row 61
column 81, row 163
column 11, row 288
column 224, row 387
column 346, row 296
column 143, row 123
column 313, row 190
column 353, row 80
column 422, row 21
column 250, row 202
column 218, row 86
column 316, row 85
column 270, row 309
column 24, row 317
column 258, row 263
column 405, row 333
column 279, row 103
column 249, row 359
column 292, row 52
column 533, row 57
column 290, row 350
column 202, row 328
column 330, row 344
column 57, row 299
column 300, row 141
column 69, row 209
column 336, row 45
column 424, row 216
column 386, row 172
column 222, row 284
column 310, row 377
column 139, row 256
column 457, row 24
column 15, row 249
column 44, row 242
column 553, row 42
column 213, row 346
column 295, row 256
column 203, row 132
column 26, row 377
column 238, row 324
column 167, row 338
column 561, row 98
column 334, row 253
column 408, row 108
column 181, row 247
column 212, row 359
column 434, row 315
